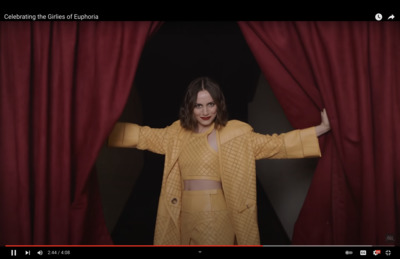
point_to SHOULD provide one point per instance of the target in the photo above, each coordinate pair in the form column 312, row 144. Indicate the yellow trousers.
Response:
column 205, row 219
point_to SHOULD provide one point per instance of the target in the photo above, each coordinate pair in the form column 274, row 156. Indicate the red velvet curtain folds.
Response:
column 62, row 87
column 352, row 69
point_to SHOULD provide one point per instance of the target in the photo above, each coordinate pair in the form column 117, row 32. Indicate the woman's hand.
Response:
column 325, row 126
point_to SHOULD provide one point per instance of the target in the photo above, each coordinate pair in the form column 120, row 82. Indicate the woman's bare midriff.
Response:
column 198, row 185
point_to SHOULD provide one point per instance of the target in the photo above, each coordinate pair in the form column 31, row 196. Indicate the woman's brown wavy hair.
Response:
column 186, row 114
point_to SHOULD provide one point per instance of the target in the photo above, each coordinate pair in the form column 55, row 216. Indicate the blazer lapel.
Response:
column 176, row 149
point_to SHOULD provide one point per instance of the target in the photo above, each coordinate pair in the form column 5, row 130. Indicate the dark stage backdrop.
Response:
column 351, row 69
column 63, row 85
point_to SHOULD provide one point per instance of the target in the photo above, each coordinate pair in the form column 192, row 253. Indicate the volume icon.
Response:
column 40, row 252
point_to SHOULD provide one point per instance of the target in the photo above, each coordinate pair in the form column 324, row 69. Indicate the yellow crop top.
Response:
column 198, row 160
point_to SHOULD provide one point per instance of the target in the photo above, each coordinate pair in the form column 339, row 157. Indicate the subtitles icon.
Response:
column 363, row 252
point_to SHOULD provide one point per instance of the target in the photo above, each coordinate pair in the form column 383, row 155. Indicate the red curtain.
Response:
column 351, row 69
column 62, row 87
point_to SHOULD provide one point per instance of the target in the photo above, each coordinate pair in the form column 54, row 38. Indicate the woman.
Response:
column 208, row 193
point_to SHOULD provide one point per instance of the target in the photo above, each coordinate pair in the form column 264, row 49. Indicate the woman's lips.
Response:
column 206, row 118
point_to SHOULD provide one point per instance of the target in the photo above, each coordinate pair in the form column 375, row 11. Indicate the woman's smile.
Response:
column 205, row 110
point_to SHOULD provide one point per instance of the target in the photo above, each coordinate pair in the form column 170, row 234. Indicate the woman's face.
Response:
column 205, row 110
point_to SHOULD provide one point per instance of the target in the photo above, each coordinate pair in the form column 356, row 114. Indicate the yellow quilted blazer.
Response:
column 239, row 147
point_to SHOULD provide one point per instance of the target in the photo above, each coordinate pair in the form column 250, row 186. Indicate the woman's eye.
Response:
column 198, row 106
column 211, row 104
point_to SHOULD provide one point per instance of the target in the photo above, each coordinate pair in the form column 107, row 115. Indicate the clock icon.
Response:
column 378, row 16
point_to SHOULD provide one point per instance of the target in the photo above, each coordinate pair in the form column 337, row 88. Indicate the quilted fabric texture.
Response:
column 198, row 160
column 206, row 219
column 239, row 148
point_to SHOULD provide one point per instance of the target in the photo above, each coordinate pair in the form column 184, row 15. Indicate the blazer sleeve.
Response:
column 130, row 135
column 294, row 144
